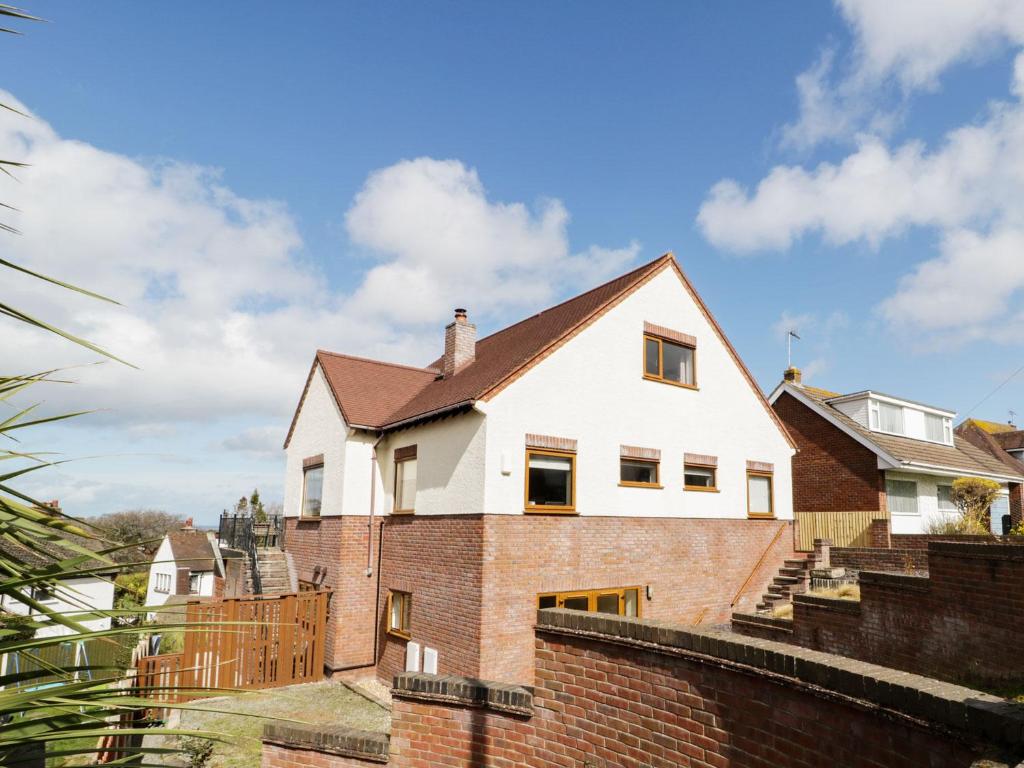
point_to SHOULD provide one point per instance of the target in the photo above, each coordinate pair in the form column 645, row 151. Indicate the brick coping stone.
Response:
column 372, row 746
column 464, row 691
column 965, row 710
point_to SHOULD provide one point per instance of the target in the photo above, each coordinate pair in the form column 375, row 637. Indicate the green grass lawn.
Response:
column 240, row 718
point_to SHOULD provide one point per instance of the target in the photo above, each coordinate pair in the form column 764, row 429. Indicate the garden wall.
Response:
column 962, row 622
column 613, row 692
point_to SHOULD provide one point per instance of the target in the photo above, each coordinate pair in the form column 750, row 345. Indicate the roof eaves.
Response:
column 302, row 399
column 426, row 415
column 962, row 471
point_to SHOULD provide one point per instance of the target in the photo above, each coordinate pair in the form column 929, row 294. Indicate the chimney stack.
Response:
column 459, row 343
column 792, row 375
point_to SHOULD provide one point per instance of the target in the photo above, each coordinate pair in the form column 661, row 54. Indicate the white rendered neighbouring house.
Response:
column 869, row 451
column 610, row 453
column 187, row 564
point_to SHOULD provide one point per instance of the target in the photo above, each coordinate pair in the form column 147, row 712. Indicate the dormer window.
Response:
column 887, row 417
column 918, row 423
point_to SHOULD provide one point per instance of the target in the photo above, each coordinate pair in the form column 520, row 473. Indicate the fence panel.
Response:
column 250, row 643
column 845, row 529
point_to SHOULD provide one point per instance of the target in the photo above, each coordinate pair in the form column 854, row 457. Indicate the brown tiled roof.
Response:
column 975, row 433
column 192, row 548
column 383, row 395
column 992, row 427
column 1010, row 441
column 962, row 456
column 51, row 553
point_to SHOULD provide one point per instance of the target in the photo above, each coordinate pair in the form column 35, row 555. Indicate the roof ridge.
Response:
column 668, row 256
column 378, row 362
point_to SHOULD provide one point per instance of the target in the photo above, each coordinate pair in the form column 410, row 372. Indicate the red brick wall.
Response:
column 880, row 559
column 437, row 559
column 922, row 540
column 339, row 544
column 694, row 567
column 832, row 472
column 961, row 623
column 286, row 756
column 603, row 705
column 1016, row 503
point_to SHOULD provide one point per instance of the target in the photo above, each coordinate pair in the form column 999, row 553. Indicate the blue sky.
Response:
column 256, row 180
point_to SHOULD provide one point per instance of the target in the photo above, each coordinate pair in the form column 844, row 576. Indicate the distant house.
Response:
column 1006, row 443
column 869, row 451
column 611, row 453
column 188, row 563
column 78, row 594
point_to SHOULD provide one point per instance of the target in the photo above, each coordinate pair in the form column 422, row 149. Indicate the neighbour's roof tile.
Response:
column 1010, row 441
column 992, row 427
column 962, row 456
column 192, row 548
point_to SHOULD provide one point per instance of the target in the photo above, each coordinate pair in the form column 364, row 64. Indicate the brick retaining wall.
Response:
column 961, row 622
column 878, row 559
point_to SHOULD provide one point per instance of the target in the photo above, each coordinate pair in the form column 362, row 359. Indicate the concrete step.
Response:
column 786, row 580
column 796, row 573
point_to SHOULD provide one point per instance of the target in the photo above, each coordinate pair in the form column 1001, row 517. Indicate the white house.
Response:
column 187, row 562
column 871, row 451
column 611, row 453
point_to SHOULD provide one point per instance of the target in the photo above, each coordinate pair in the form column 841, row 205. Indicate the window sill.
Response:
column 640, row 485
column 400, row 635
column 670, row 382
column 550, row 511
column 309, row 519
column 700, row 488
column 752, row 516
column 403, row 511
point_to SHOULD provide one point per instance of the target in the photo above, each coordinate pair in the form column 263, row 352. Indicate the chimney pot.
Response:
column 459, row 343
column 793, row 375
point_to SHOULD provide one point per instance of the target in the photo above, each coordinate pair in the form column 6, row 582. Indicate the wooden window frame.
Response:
column 593, row 594
column 631, row 484
column 549, row 509
column 771, row 495
column 308, row 467
column 403, row 632
column 713, row 488
column 648, row 336
column 402, row 455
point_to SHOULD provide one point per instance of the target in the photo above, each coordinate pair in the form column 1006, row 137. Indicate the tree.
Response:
column 256, row 509
column 145, row 527
column 242, row 507
column 973, row 497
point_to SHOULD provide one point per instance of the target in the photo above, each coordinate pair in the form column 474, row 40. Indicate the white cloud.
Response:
column 898, row 48
column 222, row 312
column 262, row 441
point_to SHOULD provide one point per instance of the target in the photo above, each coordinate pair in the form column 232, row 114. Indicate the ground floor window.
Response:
column 399, row 613
column 624, row 601
column 901, row 496
column 760, row 502
column 550, row 481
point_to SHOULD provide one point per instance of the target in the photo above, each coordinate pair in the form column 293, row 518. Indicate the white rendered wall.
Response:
column 319, row 428
column 927, row 502
column 449, row 465
column 163, row 563
column 74, row 596
column 592, row 390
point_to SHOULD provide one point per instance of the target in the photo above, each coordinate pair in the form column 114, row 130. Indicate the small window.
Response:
column 399, row 613
column 550, row 481
column 617, row 602
column 405, row 480
column 194, row 581
column 759, row 494
column 669, row 361
column 639, row 472
column 43, row 594
column 945, row 498
column 890, row 418
column 901, row 496
column 312, row 490
column 697, row 478
column 163, row 583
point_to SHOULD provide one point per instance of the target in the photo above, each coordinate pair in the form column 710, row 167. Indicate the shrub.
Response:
column 973, row 497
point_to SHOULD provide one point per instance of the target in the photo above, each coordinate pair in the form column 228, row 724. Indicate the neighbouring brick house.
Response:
column 1006, row 443
column 869, row 451
column 611, row 453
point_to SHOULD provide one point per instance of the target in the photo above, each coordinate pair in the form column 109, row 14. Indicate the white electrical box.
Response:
column 412, row 657
column 430, row 661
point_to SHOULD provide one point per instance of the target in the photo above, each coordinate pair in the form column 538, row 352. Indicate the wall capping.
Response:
column 336, row 740
column 464, row 691
column 968, row 712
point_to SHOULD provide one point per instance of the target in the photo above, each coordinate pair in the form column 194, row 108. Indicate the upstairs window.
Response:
column 405, row 479
column 760, row 492
column 672, row 360
column 194, row 582
column 938, row 429
column 163, row 583
column 312, row 486
column 887, row 417
column 638, row 467
column 700, row 472
column 550, row 480
column 901, row 496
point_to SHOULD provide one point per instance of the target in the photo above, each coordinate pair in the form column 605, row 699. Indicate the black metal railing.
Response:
column 245, row 533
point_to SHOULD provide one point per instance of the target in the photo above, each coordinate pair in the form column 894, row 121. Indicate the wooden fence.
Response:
column 250, row 643
column 845, row 529
column 89, row 659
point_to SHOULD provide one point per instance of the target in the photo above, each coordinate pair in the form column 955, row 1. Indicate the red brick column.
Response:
column 1016, row 503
